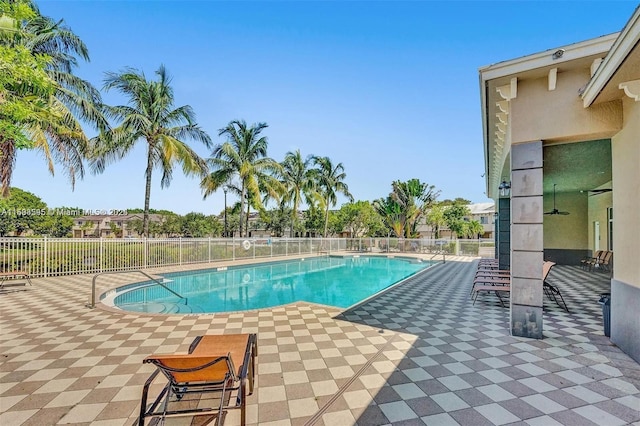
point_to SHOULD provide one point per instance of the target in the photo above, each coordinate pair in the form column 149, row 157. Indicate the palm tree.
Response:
column 435, row 218
column 329, row 181
column 405, row 206
column 150, row 116
column 242, row 158
column 298, row 181
column 415, row 198
column 55, row 102
column 391, row 213
column 473, row 229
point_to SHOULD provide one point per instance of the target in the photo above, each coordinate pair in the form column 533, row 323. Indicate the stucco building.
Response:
column 562, row 135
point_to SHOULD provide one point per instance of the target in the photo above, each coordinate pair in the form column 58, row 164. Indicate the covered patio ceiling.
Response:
column 580, row 166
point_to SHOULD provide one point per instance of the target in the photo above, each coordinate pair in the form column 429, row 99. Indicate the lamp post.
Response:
column 225, row 189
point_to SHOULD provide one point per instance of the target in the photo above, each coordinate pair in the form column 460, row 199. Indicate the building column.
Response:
column 504, row 234
column 526, row 240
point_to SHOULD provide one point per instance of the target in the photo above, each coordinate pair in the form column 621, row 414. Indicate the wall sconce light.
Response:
column 504, row 188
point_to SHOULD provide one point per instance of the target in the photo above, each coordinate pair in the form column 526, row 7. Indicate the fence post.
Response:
column 180, row 251
column 101, row 262
column 44, row 261
column 233, row 247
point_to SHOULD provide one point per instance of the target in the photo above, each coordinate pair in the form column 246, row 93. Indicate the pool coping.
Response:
column 110, row 308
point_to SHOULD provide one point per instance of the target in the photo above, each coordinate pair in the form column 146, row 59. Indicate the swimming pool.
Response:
column 334, row 281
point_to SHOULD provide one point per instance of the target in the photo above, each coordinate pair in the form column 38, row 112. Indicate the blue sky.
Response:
column 389, row 89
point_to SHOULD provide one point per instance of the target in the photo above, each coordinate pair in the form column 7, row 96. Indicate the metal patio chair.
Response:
column 209, row 367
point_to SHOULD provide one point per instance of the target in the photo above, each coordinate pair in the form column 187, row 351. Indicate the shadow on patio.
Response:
column 449, row 362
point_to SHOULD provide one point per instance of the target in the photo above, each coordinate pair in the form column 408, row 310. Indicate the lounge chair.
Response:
column 13, row 276
column 209, row 367
column 497, row 289
column 553, row 293
column 501, row 283
column 501, row 279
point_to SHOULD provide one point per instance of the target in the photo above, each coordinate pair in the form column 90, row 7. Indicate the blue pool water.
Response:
column 334, row 281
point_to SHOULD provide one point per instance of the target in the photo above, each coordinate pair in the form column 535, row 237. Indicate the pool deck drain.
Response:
column 418, row 354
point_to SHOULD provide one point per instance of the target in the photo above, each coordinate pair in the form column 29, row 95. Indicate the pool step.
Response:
column 164, row 308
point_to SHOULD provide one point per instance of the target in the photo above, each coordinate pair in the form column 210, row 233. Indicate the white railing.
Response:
column 42, row 257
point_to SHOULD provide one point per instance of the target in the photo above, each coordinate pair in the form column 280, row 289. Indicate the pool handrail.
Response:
column 158, row 282
column 443, row 256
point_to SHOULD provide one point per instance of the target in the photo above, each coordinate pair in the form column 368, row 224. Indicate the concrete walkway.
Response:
column 420, row 353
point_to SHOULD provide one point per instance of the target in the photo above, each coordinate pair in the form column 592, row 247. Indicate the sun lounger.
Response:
column 220, row 364
column 553, row 293
column 492, row 273
column 12, row 276
column 506, row 287
column 497, row 283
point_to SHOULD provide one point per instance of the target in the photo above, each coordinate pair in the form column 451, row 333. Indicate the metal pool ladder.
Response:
column 92, row 305
column 440, row 253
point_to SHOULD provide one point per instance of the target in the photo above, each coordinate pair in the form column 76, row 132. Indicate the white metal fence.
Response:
column 42, row 257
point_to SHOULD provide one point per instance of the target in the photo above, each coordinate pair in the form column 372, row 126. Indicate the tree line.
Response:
column 23, row 213
column 43, row 105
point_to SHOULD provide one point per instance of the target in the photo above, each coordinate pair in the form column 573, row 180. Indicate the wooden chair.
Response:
column 209, row 367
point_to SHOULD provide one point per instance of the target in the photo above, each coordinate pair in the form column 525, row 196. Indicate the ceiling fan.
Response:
column 555, row 210
column 593, row 192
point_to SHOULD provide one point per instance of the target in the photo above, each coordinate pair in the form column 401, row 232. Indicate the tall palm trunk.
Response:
column 242, row 196
column 7, row 162
column 147, row 194
column 294, row 216
column 326, row 220
column 246, row 228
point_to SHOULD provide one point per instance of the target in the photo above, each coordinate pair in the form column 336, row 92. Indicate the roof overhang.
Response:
column 498, row 85
column 615, row 61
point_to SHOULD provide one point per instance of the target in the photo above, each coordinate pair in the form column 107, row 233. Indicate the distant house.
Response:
column 109, row 226
column 484, row 213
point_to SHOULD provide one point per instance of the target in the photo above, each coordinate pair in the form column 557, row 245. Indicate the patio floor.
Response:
column 420, row 353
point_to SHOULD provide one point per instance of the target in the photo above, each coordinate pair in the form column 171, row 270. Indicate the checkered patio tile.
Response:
column 420, row 353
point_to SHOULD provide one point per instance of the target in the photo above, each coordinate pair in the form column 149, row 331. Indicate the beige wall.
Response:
column 598, row 205
column 566, row 232
column 625, row 152
column 561, row 111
